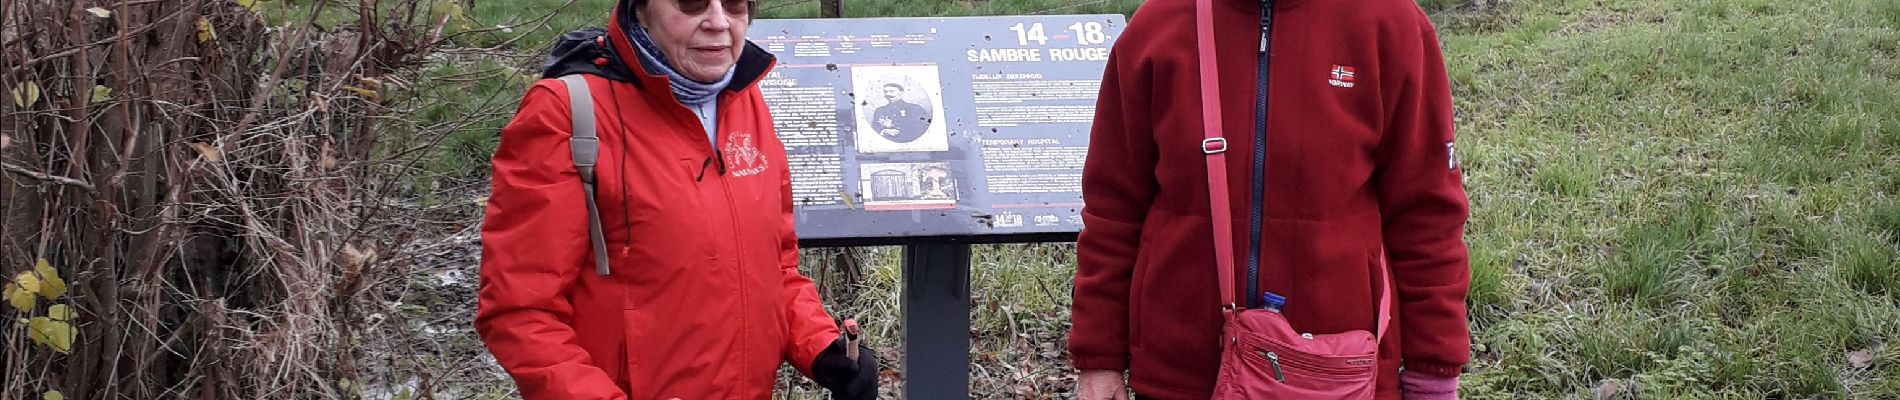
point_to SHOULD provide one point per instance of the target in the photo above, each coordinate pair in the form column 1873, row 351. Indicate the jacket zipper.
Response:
column 738, row 261
column 1257, row 206
column 732, row 214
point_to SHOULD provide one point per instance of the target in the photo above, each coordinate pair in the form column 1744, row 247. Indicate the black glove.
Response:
column 846, row 379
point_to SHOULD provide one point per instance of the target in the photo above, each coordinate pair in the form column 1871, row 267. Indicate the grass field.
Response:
column 1671, row 198
column 1687, row 198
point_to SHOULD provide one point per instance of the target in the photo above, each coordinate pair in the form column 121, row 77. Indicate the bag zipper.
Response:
column 1274, row 358
column 1315, row 366
column 1298, row 361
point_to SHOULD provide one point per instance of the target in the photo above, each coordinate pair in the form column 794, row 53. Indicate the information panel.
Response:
column 971, row 127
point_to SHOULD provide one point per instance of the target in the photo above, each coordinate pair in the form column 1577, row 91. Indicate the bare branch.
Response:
column 43, row 177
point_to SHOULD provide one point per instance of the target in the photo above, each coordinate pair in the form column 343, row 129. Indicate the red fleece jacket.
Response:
column 1359, row 158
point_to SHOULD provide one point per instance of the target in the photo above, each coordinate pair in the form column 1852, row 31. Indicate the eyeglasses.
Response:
column 734, row 7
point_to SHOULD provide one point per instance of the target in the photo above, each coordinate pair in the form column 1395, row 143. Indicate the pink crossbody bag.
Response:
column 1262, row 357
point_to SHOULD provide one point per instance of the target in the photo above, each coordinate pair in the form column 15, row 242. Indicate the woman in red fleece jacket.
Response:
column 1349, row 161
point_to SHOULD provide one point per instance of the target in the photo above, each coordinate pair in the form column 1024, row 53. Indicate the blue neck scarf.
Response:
column 688, row 91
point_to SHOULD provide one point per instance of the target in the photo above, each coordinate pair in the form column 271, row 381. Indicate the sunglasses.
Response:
column 734, row 7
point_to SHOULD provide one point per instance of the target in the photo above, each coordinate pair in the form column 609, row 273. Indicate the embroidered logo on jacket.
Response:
column 1342, row 76
column 743, row 156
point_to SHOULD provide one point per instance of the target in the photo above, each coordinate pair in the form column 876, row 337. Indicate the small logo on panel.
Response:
column 1009, row 220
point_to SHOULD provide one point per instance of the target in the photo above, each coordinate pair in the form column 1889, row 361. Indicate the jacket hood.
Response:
column 609, row 53
column 585, row 51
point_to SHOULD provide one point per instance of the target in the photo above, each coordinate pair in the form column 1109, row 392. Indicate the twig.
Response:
column 1049, row 293
column 540, row 23
column 76, row 49
column 47, row 177
column 261, row 96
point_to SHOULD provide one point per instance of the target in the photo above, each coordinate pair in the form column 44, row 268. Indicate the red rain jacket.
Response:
column 1358, row 158
column 704, row 300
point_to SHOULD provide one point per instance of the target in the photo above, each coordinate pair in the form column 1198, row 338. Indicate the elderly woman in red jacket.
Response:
column 1341, row 160
column 699, row 296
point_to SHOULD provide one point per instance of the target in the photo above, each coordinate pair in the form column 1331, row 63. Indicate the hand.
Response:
column 1101, row 385
column 845, row 378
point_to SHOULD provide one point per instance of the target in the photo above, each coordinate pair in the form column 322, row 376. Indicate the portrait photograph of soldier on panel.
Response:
column 898, row 108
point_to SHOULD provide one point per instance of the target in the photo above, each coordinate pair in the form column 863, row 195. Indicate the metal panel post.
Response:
column 936, row 321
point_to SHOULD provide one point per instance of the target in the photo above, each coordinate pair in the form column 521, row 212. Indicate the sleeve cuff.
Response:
column 1424, row 386
column 806, row 353
column 1435, row 369
column 1110, row 363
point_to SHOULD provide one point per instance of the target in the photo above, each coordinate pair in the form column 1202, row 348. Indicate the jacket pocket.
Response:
column 1137, row 289
column 1294, row 362
column 691, row 210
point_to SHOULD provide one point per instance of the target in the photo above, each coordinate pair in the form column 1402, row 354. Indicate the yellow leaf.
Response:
column 26, row 95
column 99, row 12
column 850, row 202
column 51, row 286
column 21, row 299
column 52, row 395
column 361, row 92
column 55, row 334
column 60, row 312
column 20, row 292
column 205, row 32
column 210, row 153
column 249, row 4
column 100, row 93
column 29, row 281
column 450, row 9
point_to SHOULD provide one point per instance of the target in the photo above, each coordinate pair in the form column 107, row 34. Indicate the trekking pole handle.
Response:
column 851, row 332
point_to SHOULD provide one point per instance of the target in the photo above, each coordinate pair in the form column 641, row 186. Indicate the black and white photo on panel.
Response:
column 899, row 109
column 907, row 185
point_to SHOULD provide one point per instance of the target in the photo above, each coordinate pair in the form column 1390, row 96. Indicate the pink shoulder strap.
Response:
column 1215, row 146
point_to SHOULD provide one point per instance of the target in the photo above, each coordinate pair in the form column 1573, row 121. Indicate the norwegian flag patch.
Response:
column 1341, row 76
